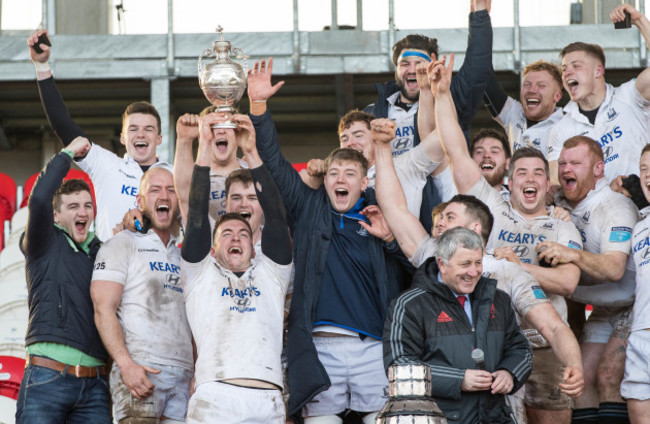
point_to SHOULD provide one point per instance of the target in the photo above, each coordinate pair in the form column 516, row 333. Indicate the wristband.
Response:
column 42, row 67
column 259, row 101
column 389, row 238
column 68, row 152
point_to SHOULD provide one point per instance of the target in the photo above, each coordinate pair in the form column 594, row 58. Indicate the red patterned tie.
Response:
column 462, row 300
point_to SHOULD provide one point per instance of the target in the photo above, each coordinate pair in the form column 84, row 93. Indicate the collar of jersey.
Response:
column 353, row 213
column 73, row 244
column 573, row 109
column 172, row 238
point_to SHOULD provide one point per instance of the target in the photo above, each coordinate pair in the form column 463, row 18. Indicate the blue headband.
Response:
column 413, row 53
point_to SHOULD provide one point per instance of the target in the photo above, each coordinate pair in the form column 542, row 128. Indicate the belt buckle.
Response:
column 77, row 371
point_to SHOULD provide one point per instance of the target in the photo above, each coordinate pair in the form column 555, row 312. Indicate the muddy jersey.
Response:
column 523, row 289
column 511, row 229
column 412, row 169
column 116, row 181
column 218, row 194
column 405, row 121
column 621, row 129
column 513, row 120
column 152, row 311
column 641, row 255
column 236, row 321
column 605, row 220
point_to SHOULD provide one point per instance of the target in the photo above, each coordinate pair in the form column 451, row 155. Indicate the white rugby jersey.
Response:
column 605, row 220
column 405, row 121
column 520, row 285
column 641, row 255
column 237, row 322
column 152, row 311
column 217, row 198
column 621, row 129
column 116, row 181
column 412, row 169
column 511, row 229
column 513, row 120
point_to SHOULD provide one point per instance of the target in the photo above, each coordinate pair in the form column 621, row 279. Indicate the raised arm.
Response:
column 641, row 22
column 55, row 109
column 406, row 228
column 464, row 170
column 495, row 96
column 187, row 130
column 426, row 117
column 469, row 84
column 40, row 220
column 198, row 238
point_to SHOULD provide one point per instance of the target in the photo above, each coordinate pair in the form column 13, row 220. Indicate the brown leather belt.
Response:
column 76, row 370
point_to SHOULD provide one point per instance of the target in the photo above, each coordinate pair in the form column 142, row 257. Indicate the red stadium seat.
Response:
column 11, row 374
column 299, row 166
column 7, row 197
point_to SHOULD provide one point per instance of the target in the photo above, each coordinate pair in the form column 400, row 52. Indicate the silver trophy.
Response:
column 223, row 80
column 410, row 399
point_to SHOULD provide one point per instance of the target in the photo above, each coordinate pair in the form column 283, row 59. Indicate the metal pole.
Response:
column 335, row 17
column 643, row 49
column 160, row 94
column 296, row 38
column 599, row 11
column 171, row 64
column 50, row 17
column 391, row 28
column 516, row 38
column 359, row 14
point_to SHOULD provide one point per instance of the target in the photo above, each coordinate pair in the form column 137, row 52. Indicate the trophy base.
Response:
column 227, row 124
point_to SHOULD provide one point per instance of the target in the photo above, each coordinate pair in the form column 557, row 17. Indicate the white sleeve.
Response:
column 616, row 231
column 98, row 163
column 189, row 272
column 628, row 93
column 280, row 273
column 568, row 235
column 510, row 113
column 444, row 184
column 112, row 262
column 425, row 250
column 555, row 142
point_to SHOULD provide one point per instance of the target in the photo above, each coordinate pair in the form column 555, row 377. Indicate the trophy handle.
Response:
column 239, row 54
column 205, row 53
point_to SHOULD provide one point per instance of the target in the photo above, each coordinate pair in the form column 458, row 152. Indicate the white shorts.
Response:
column 603, row 321
column 217, row 402
column 356, row 371
column 636, row 382
column 169, row 398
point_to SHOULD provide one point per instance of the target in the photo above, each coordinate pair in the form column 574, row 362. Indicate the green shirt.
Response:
column 63, row 353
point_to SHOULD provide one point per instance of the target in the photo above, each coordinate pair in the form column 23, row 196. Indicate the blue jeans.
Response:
column 51, row 397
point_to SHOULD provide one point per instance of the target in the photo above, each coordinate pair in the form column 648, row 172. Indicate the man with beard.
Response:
column 529, row 121
column 636, row 383
column 521, row 223
column 616, row 117
column 491, row 151
column 399, row 100
column 115, row 179
column 65, row 374
column 140, row 311
column 605, row 220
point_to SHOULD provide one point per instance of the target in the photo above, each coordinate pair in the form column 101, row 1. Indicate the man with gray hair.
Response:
column 468, row 308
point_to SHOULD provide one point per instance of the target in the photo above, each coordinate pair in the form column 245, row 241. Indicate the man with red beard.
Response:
column 520, row 225
column 140, row 311
column 605, row 220
column 616, row 117
column 529, row 121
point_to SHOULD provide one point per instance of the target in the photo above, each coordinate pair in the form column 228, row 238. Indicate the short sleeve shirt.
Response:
column 152, row 311
column 605, row 220
column 514, row 121
column 641, row 254
column 237, row 322
column 621, row 129
column 116, row 181
column 217, row 205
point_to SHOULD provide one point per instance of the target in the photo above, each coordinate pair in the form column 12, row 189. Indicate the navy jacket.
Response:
column 427, row 324
column 58, row 272
column 311, row 225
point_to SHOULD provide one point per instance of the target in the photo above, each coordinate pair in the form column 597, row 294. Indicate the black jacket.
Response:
column 58, row 272
column 427, row 324
column 311, row 225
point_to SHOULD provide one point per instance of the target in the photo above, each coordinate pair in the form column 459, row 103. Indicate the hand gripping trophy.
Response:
column 223, row 81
